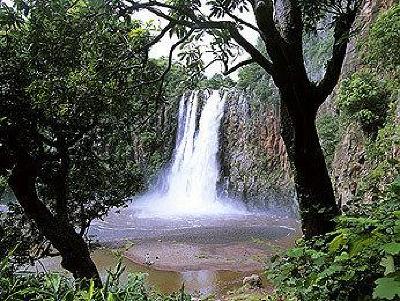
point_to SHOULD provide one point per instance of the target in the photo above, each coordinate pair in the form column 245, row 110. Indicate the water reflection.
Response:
column 197, row 283
column 202, row 282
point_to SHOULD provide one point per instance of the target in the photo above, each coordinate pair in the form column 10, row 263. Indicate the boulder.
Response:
column 253, row 281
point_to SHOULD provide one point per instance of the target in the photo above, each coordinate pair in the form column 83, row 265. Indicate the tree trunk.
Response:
column 313, row 186
column 72, row 247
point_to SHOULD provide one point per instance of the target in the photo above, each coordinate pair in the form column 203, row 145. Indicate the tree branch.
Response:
column 241, row 21
column 171, row 52
column 237, row 66
column 253, row 51
column 274, row 43
column 158, row 37
column 196, row 23
column 334, row 66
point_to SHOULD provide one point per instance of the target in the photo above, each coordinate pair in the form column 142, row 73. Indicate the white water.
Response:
column 190, row 185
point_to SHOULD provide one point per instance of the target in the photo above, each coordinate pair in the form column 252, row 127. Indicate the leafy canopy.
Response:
column 76, row 87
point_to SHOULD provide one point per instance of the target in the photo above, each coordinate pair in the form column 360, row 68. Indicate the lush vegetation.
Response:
column 78, row 97
column 56, row 287
column 86, row 118
column 366, row 98
column 360, row 259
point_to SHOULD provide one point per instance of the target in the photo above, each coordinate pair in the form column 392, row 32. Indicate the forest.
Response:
column 199, row 150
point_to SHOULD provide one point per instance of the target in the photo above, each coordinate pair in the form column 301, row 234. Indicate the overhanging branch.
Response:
column 196, row 23
column 237, row 66
column 253, row 51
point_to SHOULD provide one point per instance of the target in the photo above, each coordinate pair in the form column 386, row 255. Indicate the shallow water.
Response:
column 202, row 282
column 129, row 224
column 210, row 254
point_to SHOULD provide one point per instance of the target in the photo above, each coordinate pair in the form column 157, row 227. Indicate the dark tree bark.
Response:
column 300, row 100
column 71, row 246
column 313, row 186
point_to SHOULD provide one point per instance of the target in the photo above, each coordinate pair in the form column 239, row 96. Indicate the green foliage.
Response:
column 359, row 260
column 365, row 98
column 216, row 82
column 328, row 131
column 255, row 81
column 382, row 48
column 74, row 96
column 382, row 157
column 55, row 287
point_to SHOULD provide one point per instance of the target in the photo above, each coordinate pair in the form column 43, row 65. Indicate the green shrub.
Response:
column 382, row 48
column 55, row 287
column 365, row 98
column 328, row 131
column 385, row 165
column 216, row 82
column 358, row 261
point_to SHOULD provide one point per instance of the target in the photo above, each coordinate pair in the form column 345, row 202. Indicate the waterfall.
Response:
column 191, row 181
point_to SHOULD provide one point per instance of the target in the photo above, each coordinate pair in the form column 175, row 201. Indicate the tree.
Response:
column 281, row 25
column 72, row 96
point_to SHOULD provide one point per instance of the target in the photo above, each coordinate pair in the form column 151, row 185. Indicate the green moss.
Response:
column 328, row 131
column 366, row 98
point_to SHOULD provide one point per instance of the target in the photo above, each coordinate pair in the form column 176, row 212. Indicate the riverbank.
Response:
column 210, row 255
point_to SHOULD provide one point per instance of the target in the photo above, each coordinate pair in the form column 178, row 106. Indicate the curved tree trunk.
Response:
column 313, row 186
column 72, row 247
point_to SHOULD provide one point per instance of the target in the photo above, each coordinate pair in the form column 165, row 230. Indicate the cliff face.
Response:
column 253, row 157
column 254, row 162
column 351, row 163
column 355, row 166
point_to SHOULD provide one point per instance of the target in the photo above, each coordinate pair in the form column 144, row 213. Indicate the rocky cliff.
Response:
column 352, row 162
column 254, row 162
column 253, row 157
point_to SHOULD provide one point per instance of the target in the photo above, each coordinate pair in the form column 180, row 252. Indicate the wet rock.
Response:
column 254, row 162
column 253, row 281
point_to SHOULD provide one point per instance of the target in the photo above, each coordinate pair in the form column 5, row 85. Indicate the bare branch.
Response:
column 253, row 51
column 158, row 37
column 237, row 66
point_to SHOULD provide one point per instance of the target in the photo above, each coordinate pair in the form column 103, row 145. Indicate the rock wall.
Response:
column 254, row 162
column 350, row 164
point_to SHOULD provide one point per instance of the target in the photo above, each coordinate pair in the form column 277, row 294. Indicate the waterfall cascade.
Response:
column 189, row 187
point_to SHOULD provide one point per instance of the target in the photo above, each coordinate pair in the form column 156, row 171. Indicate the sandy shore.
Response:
column 240, row 243
column 170, row 256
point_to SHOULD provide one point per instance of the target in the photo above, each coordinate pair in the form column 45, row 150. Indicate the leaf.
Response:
column 337, row 242
column 392, row 248
column 111, row 297
column 296, row 252
column 361, row 244
column 91, row 289
column 388, row 263
column 387, row 288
